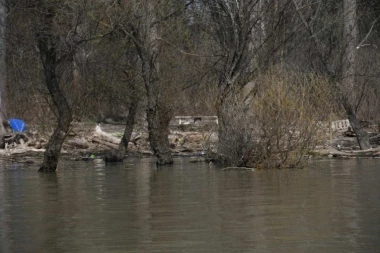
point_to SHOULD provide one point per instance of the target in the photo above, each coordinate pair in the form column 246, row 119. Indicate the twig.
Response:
column 368, row 34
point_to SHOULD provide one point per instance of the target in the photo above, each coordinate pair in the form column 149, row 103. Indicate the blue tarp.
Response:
column 17, row 125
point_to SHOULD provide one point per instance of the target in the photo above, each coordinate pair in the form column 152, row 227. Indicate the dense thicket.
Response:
column 270, row 70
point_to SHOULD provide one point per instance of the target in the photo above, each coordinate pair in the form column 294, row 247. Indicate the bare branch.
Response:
column 361, row 44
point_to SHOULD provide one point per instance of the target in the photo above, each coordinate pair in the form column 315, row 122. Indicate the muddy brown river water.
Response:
column 332, row 206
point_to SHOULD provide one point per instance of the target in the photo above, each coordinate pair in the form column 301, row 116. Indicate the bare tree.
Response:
column 48, row 46
column 231, row 27
column 56, row 34
column 144, row 31
column 349, row 86
column 246, row 42
column 334, row 54
column 145, row 38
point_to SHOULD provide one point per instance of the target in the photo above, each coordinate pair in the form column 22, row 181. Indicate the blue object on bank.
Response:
column 17, row 125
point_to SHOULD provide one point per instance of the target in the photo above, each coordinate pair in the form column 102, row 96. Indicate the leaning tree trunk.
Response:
column 47, row 48
column 120, row 153
column 123, row 147
column 361, row 135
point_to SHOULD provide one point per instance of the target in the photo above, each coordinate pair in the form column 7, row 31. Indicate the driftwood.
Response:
column 375, row 140
column 239, row 168
column 135, row 138
column 106, row 139
column 103, row 137
column 80, row 143
column 374, row 152
column 365, row 153
column 18, row 138
column 105, row 143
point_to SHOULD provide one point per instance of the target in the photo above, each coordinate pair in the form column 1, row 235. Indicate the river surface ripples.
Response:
column 331, row 206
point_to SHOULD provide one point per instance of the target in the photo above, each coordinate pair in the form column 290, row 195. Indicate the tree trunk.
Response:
column 47, row 48
column 241, row 32
column 123, row 147
column 235, row 143
column 158, row 112
column 361, row 135
column 119, row 155
column 158, row 116
column 349, row 71
column 158, row 127
column 225, row 148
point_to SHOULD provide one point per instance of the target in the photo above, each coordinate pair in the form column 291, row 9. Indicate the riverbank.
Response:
column 89, row 140
column 85, row 142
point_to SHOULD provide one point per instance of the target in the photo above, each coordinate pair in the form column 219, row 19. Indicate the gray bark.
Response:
column 120, row 153
column 348, row 91
column 123, row 147
column 350, row 38
column 361, row 135
column 158, row 112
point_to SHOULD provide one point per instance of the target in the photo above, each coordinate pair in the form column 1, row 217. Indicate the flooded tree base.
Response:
column 110, row 158
column 47, row 169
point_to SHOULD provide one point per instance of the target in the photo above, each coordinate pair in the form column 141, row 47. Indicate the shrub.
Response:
column 276, row 122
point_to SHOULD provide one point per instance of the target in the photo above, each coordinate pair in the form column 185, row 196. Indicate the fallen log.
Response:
column 80, row 143
column 374, row 152
column 239, row 168
column 105, row 143
column 375, row 140
column 99, row 134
